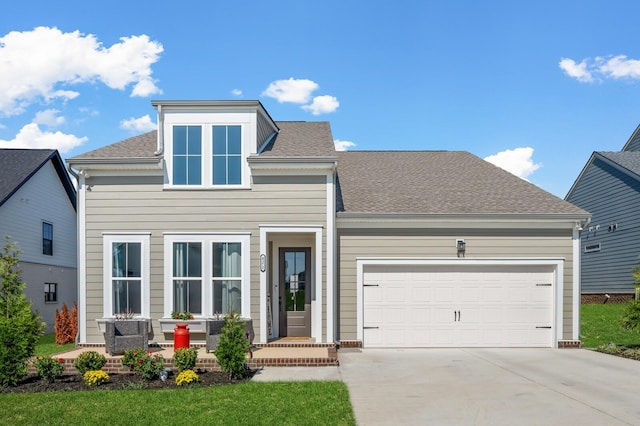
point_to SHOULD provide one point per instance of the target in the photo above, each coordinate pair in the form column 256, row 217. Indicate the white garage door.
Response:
column 445, row 306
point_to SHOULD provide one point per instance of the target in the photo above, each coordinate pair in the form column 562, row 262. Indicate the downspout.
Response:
column 79, row 246
column 160, row 150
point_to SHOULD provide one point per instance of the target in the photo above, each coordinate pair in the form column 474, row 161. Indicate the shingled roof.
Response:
column 141, row 146
column 17, row 166
column 437, row 182
column 630, row 160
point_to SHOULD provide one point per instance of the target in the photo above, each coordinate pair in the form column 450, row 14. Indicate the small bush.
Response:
column 186, row 377
column 49, row 368
column 95, row 377
column 66, row 325
column 185, row 359
column 147, row 365
column 88, row 361
column 233, row 347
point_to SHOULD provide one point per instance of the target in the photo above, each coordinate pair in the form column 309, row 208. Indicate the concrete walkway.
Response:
column 491, row 387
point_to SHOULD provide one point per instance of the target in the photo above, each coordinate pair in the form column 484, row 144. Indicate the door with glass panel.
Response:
column 295, row 292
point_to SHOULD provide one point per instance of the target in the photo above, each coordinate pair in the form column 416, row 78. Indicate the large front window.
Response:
column 187, row 277
column 126, row 274
column 208, row 274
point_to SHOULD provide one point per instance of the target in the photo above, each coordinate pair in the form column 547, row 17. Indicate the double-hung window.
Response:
column 50, row 292
column 208, row 274
column 187, row 277
column 126, row 271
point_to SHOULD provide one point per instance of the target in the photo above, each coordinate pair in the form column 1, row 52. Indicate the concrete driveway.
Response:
column 491, row 387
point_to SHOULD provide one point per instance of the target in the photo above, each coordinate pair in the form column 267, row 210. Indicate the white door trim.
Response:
column 556, row 263
column 316, row 305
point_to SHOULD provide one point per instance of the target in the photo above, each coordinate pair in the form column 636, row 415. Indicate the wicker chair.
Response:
column 127, row 334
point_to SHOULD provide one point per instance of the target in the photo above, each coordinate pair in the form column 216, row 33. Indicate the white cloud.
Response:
column 322, row 105
column 44, row 62
column 30, row 136
column 236, row 92
column 297, row 91
column 343, row 145
column 518, row 161
column 575, row 70
column 49, row 117
column 620, row 67
column 137, row 125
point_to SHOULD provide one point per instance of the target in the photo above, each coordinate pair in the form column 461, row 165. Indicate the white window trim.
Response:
column 206, row 123
column 107, row 295
column 207, row 240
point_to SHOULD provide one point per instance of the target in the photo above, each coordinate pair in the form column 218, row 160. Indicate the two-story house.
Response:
column 223, row 208
column 38, row 211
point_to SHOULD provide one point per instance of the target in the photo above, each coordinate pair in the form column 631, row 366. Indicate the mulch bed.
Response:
column 74, row 382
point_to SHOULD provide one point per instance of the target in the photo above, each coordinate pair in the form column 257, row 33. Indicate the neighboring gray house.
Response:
column 609, row 188
column 38, row 211
column 224, row 208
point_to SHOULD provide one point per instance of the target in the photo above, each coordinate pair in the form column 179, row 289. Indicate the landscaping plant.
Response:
column 146, row 364
column 49, row 368
column 20, row 328
column 233, row 347
column 631, row 315
column 185, row 359
column 88, row 361
column 95, row 377
column 186, row 377
column 66, row 325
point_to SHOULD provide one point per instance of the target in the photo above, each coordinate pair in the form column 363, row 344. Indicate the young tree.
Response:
column 233, row 347
column 20, row 327
column 631, row 316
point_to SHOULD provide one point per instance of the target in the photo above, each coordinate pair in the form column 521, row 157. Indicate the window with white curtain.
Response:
column 187, row 277
column 206, row 274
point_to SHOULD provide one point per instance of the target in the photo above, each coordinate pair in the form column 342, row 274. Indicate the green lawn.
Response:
column 47, row 346
column 600, row 325
column 264, row 403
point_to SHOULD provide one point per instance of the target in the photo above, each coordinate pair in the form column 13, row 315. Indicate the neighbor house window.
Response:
column 50, row 292
column 47, row 239
column 126, row 274
column 208, row 274
column 227, row 277
column 592, row 248
column 187, row 277
column 187, row 155
column 227, row 155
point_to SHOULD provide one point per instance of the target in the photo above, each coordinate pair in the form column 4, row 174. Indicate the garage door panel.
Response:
column 440, row 306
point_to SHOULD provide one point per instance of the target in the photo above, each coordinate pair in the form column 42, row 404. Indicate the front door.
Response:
column 295, row 292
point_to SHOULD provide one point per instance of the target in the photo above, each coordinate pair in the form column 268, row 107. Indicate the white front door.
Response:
column 458, row 306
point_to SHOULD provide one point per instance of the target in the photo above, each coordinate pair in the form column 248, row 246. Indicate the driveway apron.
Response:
column 491, row 387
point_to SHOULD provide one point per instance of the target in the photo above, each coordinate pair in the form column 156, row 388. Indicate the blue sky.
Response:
column 533, row 86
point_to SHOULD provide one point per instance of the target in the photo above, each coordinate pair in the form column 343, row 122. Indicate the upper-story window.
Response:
column 207, row 156
column 47, row 239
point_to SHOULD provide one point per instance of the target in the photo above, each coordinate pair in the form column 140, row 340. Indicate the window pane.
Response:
column 220, row 140
column 194, row 140
column 234, row 143
column 187, row 296
column 219, row 170
column 179, row 170
column 235, row 170
column 179, row 140
column 187, row 260
column 118, row 259
column 194, row 170
column 227, row 296
column 127, row 296
column 134, row 260
column 227, row 260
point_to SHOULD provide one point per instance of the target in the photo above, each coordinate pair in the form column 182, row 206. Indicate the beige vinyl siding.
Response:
column 140, row 204
column 440, row 243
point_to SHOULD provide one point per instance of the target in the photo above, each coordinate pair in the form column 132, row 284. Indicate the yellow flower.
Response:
column 186, row 377
column 95, row 377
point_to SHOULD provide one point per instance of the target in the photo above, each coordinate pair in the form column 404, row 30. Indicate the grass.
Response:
column 47, row 346
column 255, row 403
column 600, row 325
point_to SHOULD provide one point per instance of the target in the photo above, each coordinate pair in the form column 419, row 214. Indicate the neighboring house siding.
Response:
column 613, row 198
column 140, row 204
column 441, row 243
column 43, row 198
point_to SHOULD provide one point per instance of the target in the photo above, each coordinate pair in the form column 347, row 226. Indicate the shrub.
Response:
column 186, row 377
column 66, row 325
column 233, row 347
column 144, row 363
column 88, row 361
column 631, row 315
column 20, row 328
column 185, row 359
column 49, row 368
column 95, row 377
column 185, row 316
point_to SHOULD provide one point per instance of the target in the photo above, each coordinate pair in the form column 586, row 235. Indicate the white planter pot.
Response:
column 168, row 325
